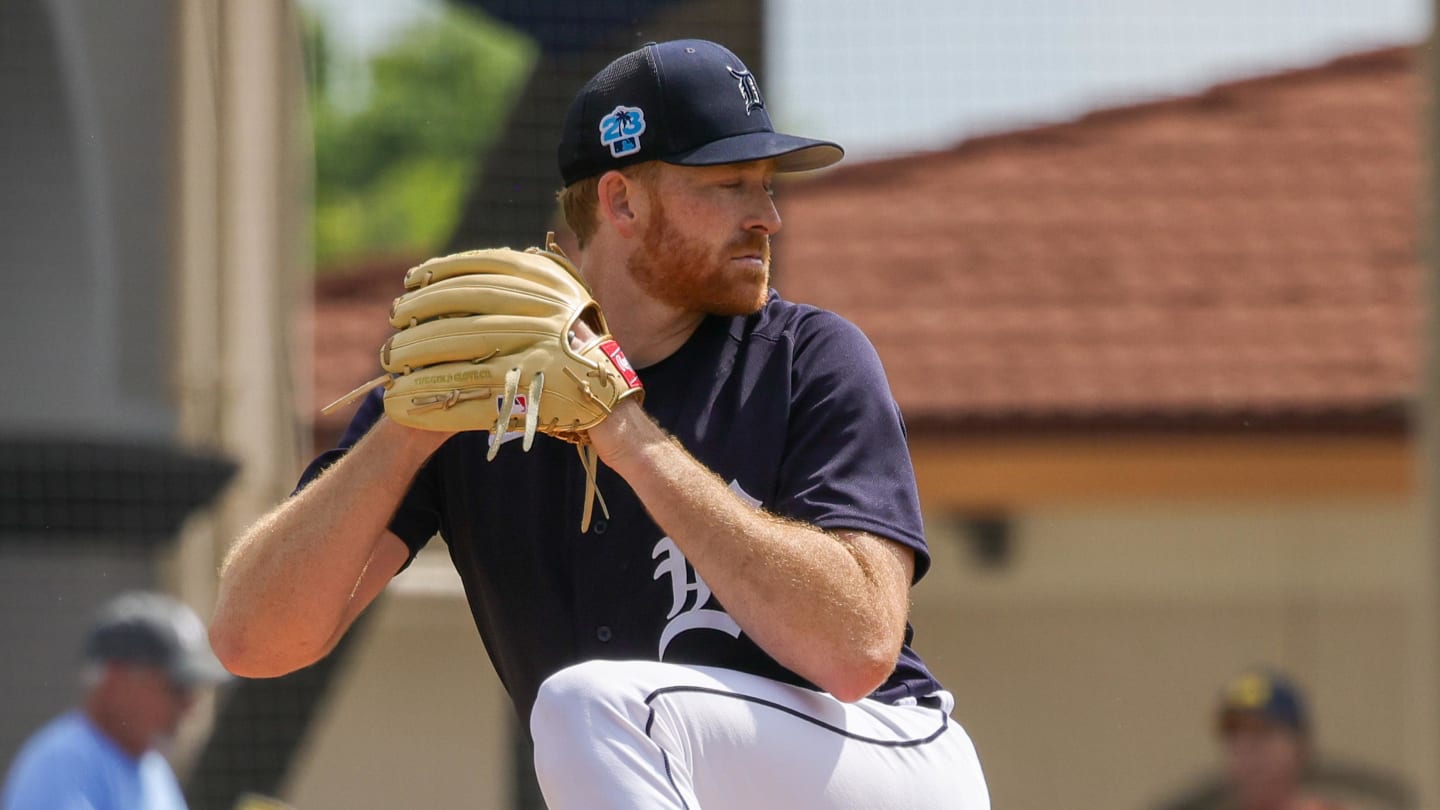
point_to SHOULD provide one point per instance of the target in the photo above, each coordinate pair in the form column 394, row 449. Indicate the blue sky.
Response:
column 889, row 77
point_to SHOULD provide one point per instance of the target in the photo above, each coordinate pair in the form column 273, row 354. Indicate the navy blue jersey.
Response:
column 789, row 405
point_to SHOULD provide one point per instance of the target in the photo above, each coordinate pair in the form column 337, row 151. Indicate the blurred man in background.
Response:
column 145, row 657
column 1265, row 731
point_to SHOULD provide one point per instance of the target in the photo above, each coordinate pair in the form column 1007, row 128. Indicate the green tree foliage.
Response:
column 392, row 170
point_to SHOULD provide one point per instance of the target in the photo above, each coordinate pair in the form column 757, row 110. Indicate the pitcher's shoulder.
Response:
column 802, row 322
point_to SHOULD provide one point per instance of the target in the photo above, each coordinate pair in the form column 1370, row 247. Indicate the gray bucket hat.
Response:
column 155, row 630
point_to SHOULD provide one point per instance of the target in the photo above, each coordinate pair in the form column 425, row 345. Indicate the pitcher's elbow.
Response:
column 227, row 647
column 235, row 652
column 248, row 657
column 859, row 678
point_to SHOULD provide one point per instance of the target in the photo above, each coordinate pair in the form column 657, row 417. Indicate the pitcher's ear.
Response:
column 621, row 203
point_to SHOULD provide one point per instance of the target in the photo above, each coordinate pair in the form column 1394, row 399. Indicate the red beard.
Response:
column 681, row 272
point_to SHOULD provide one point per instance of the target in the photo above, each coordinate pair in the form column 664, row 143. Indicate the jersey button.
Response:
column 600, row 526
column 603, row 633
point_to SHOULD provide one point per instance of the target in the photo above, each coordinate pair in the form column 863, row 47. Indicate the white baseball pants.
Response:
column 640, row 735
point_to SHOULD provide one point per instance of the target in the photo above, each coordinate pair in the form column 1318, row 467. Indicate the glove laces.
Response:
column 590, row 460
column 507, row 405
column 589, row 457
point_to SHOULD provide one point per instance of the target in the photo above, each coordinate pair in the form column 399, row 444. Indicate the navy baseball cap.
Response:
column 152, row 629
column 1266, row 694
column 689, row 102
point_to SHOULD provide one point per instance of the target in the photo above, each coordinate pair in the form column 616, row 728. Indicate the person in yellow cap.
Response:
column 1265, row 733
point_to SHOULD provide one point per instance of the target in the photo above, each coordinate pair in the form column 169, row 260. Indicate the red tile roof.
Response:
column 1246, row 255
column 352, row 319
column 1243, row 257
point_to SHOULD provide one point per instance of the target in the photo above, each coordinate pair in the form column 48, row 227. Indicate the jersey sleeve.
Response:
column 847, row 464
column 418, row 517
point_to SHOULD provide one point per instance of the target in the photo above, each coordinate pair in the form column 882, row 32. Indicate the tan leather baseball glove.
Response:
column 502, row 340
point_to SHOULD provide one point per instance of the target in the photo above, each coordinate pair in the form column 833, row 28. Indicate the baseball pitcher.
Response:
column 682, row 507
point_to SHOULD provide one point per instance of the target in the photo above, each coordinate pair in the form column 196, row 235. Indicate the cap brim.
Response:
column 1233, row 717
column 791, row 153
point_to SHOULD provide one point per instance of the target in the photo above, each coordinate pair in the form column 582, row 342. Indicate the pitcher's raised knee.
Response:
column 587, row 699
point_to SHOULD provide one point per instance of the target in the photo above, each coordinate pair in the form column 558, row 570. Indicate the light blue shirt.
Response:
column 70, row 765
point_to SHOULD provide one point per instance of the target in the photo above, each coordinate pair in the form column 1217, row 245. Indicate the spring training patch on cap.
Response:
column 621, row 130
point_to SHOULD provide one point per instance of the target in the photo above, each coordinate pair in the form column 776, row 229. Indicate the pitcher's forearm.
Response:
column 829, row 606
column 286, row 584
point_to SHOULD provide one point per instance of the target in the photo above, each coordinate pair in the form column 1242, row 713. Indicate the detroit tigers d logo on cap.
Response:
column 749, row 89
